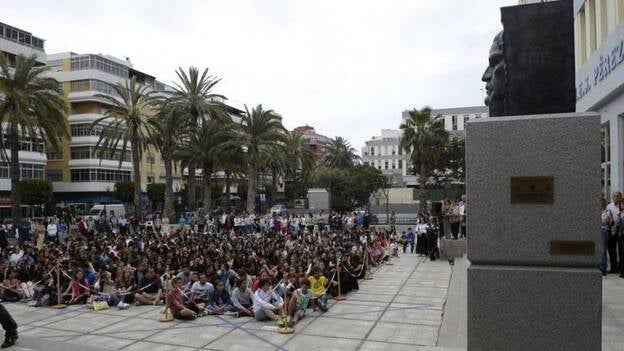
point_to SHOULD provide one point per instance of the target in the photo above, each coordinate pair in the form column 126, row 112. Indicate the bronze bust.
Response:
column 494, row 77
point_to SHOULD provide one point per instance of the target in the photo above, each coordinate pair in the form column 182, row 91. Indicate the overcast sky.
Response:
column 345, row 67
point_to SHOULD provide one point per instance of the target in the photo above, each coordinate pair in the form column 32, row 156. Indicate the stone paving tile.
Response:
column 424, row 317
column 256, row 340
column 196, row 337
column 100, row 341
column 150, row 346
column 336, row 327
column 384, row 346
column 405, row 333
column 315, row 343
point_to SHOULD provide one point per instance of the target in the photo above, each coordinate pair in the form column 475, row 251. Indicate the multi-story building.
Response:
column 599, row 49
column 316, row 142
column 76, row 171
column 383, row 153
column 14, row 42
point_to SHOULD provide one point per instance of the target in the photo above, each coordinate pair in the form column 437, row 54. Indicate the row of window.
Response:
column 20, row 36
column 27, row 171
column 387, row 165
column 393, row 150
column 91, row 152
column 28, row 144
column 99, row 175
column 99, row 63
column 92, row 84
column 84, row 129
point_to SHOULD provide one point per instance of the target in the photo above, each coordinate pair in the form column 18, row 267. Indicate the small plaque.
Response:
column 532, row 190
column 572, row 248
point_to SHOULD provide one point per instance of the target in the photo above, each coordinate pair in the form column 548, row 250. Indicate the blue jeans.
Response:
column 604, row 240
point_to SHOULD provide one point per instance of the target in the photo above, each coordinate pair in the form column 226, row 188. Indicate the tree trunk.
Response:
column 191, row 187
column 16, row 211
column 274, row 181
column 422, row 179
column 168, row 210
column 136, row 165
column 251, row 187
column 228, row 184
column 387, row 208
column 207, row 175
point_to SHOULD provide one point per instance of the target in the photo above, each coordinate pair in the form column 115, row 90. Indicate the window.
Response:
column 372, row 151
column 393, row 164
column 27, row 171
column 466, row 118
column 98, row 175
column 84, row 129
column 478, row 115
column 98, row 63
column 386, row 164
column 393, row 150
column 400, row 164
column 90, row 152
column 92, row 84
column 151, row 159
column 151, row 178
column 454, row 121
column 54, row 175
column 54, row 154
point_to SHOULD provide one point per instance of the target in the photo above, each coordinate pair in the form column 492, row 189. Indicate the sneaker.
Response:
column 9, row 340
column 323, row 308
column 123, row 306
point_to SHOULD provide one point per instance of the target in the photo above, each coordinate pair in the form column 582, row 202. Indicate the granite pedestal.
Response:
column 534, row 282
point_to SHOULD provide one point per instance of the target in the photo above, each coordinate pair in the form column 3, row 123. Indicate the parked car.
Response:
column 98, row 211
column 280, row 209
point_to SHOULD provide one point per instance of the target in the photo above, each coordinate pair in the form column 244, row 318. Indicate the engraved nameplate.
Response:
column 573, row 248
column 532, row 190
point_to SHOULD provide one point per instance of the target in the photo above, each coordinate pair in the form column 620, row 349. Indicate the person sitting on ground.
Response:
column 242, row 299
column 298, row 303
column 267, row 304
column 201, row 290
column 151, row 290
column 220, row 301
column 175, row 302
column 11, row 290
column 107, row 287
column 79, row 287
column 318, row 283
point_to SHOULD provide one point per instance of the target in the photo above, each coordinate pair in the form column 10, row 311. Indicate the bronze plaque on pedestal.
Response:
column 572, row 248
column 532, row 190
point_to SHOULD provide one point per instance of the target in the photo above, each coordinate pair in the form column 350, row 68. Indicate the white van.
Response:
column 98, row 211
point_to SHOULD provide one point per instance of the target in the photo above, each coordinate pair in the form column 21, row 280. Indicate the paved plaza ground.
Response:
column 414, row 304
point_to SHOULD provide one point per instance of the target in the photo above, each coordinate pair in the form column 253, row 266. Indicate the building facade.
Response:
column 316, row 142
column 455, row 118
column 599, row 49
column 77, row 171
column 32, row 158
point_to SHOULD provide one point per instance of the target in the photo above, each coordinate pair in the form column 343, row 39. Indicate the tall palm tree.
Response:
column 203, row 148
column 273, row 159
column 126, row 125
column 259, row 128
column 423, row 138
column 168, row 126
column 300, row 157
column 340, row 154
column 32, row 106
column 231, row 160
column 194, row 94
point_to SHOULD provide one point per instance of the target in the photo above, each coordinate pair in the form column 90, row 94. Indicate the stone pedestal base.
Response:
column 534, row 308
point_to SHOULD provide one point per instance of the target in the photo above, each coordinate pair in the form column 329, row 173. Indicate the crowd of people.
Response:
column 269, row 267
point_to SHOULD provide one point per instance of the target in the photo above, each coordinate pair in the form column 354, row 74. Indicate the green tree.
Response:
column 203, row 147
column 340, row 154
column 32, row 106
column 156, row 193
column 259, row 129
column 35, row 191
column 349, row 188
column 126, row 125
column 452, row 165
column 423, row 136
column 168, row 127
column 194, row 95
column 124, row 191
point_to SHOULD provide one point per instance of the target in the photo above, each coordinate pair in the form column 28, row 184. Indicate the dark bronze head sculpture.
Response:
column 495, row 77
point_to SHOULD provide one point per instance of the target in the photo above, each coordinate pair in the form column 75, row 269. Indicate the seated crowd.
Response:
column 272, row 272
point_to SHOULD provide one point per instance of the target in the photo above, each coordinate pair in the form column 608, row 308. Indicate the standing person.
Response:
column 606, row 221
column 320, row 220
column 393, row 221
column 9, row 326
column 463, row 213
column 409, row 239
column 454, row 219
column 614, row 210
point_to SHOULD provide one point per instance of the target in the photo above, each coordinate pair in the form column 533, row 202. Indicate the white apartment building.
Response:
column 32, row 158
column 599, row 49
column 455, row 118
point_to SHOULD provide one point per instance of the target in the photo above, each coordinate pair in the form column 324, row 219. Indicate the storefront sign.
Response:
column 602, row 63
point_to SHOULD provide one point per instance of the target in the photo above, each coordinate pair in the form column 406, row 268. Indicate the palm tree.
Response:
column 424, row 138
column 300, row 157
column 195, row 96
column 203, row 148
column 167, row 127
column 340, row 154
column 231, row 160
column 259, row 128
column 32, row 106
column 127, row 125
column 273, row 159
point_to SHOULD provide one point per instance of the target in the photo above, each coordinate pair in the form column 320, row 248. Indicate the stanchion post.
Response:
column 338, row 269
column 367, row 276
column 59, row 295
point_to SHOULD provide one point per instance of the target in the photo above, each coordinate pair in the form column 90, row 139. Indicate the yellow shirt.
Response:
column 317, row 285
